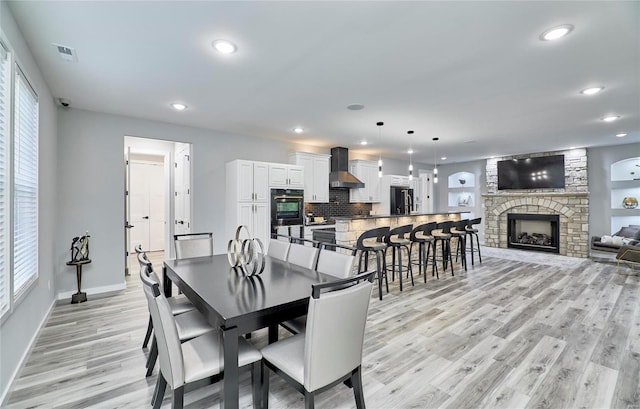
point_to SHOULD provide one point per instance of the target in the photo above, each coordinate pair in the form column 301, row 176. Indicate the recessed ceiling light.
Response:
column 298, row 129
column 611, row 118
column 178, row 106
column 620, row 135
column 591, row 91
column 355, row 107
column 410, row 151
column 556, row 32
column 363, row 143
column 443, row 158
column 224, row 46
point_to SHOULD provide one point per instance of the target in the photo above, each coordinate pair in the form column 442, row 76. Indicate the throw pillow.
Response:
column 628, row 232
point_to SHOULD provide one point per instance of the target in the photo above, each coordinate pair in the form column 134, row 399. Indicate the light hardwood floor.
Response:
column 505, row 334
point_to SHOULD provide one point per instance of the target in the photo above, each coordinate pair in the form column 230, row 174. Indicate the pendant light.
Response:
column 380, row 157
column 435, row 162
column 410, row 133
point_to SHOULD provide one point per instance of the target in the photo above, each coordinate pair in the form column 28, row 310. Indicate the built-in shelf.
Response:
column 624, row 183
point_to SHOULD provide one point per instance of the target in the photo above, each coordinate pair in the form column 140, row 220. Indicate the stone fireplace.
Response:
column 570, row 205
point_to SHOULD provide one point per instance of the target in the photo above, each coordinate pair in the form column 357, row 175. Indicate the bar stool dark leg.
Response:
column 471, row 244
column 450, row 256
column 409, row 266
column 478, row 243
column 399, row 263
column 380, row 275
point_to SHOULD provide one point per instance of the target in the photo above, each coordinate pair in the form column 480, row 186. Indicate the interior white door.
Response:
column 127, row 211
column 147, row 208
column 139, row 206
column 182, row 194
column 157, row 219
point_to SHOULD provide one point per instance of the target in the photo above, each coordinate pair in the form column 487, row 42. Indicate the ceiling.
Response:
column 474, row 74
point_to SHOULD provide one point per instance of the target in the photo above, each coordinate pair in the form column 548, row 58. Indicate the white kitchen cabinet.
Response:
column 367, row 172
column 316, row 175
column 251, row 179
column 247, row 199
column 286, row 176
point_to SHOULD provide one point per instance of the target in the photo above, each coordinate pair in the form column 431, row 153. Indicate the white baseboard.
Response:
column 25, row 355
column 94, row 291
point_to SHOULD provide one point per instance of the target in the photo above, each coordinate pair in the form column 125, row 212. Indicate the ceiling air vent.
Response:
column 66, row 53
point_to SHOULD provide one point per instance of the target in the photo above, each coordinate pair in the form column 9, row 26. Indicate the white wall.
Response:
column 20, row 327
column 90, row 151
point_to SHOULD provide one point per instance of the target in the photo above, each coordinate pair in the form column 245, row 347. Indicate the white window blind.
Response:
column 25, row 186
column 5, row 93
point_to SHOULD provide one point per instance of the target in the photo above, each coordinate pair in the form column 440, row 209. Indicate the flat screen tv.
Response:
column 543, row 172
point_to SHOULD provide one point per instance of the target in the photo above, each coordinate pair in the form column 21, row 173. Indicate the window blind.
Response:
column 5, row 92
column 25, row 186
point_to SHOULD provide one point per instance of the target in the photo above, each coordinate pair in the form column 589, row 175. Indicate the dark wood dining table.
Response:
column 239, row 304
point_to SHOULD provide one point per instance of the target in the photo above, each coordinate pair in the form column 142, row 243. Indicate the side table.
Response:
column 79, row 296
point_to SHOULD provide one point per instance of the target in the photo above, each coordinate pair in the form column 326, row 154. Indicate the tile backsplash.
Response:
column 338, row 206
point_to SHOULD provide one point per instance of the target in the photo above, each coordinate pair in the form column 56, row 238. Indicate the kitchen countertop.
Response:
column 388, row 216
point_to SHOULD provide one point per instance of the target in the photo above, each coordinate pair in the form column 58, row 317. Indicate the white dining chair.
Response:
column 330, row 350
column 278, row 249
column 179, row 304
column 189, row 325
column 182, row 364
column 301, row 255
column 193, row 245
column 330, row 262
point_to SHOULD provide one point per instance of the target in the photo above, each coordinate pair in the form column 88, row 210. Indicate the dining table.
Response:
column 239, row 303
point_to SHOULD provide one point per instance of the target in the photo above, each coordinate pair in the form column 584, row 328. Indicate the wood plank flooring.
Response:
column 505, row 334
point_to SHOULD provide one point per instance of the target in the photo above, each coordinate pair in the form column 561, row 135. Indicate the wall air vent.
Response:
column 66, row 53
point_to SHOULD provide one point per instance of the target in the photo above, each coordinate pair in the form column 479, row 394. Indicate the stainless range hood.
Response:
column 340, row 176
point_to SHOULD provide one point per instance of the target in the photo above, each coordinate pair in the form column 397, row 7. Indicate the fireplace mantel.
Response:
column 537, row 194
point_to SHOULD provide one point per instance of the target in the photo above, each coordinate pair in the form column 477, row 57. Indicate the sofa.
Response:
column 626, row 236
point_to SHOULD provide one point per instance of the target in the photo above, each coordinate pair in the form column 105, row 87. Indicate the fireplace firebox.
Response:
column 538, row 232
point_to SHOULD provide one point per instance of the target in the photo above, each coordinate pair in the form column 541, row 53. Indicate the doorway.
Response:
column 157, row 195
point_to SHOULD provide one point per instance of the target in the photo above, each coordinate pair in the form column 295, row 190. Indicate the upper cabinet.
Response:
column 316, row 175
column 367, row 172
column 286, row 176
column 251, row 180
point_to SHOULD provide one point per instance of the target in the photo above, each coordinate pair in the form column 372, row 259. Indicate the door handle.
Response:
column 128, row 226
column 180, row 222
column 145, row 217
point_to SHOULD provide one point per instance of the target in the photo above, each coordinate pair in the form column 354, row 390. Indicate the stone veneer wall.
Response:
column 348, row 231
column 571, row 203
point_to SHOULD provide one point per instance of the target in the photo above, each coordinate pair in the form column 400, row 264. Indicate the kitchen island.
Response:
column 348, row 229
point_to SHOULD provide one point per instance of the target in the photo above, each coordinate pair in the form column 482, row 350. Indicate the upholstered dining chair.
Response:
column 179, row 304
column 182, row 364
column 330, row 262
column 301, row 255
column 330, row 350
column 193, row 245
column 278, row 249
column 189, row 325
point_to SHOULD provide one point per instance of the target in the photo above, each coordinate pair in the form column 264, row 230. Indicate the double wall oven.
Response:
column 287, row 208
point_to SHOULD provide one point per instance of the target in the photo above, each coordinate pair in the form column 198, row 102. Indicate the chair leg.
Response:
column 462, row 240
column 384, row 268
column 471, row 244
column 380, row 274
column 148, row 335
column 177, row 400
column 409, row 266
column 256, row 383
column 449, row 253
column 153, row 356
column 478, row 243
column 399, row 251
column 358, row 392
column 265, row 386
column 161, row 386
column 309, row 400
